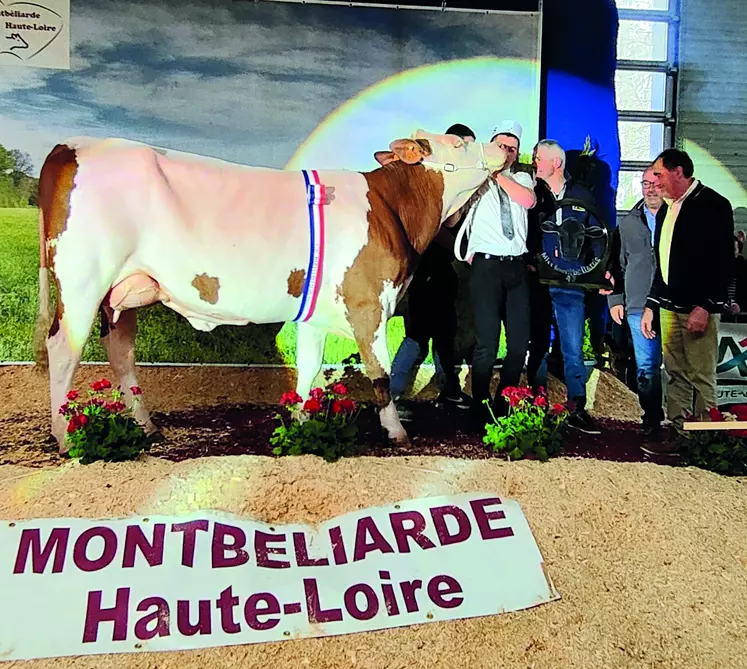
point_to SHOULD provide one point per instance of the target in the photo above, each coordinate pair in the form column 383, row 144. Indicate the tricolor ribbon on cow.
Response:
column 317, row 197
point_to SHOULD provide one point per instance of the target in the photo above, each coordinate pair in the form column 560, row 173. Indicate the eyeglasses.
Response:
column 648, row 184
column 507, row 148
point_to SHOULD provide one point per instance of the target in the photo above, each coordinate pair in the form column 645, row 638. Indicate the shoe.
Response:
column 404, row 414
column 667, row 444
column 580, row 420
column 653, row 432
column 661, row 448
column 455, row 399
column 480, row 417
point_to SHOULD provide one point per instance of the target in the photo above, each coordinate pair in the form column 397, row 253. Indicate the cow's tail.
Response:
column 45, row 314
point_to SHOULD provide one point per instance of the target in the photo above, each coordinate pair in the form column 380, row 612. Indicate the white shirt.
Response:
column 667, row 229
column 486, row 235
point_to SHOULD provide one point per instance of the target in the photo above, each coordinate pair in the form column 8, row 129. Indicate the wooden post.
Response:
column 716, row 425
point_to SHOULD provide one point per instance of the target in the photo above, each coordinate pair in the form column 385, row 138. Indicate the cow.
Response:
column 124, row 225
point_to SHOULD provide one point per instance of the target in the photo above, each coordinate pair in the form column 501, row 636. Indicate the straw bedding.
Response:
column 651, row 561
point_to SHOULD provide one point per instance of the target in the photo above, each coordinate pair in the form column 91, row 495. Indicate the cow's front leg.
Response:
column 375, row 355
column 309, row 354
column 119, row 341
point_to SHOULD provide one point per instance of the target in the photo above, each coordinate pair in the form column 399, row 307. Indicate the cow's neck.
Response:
column 410, row 197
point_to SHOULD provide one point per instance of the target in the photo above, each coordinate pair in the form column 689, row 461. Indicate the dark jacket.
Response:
column 634, row 261
column 701, row 258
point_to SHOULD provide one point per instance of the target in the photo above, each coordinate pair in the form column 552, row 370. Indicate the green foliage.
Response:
column 17, row 187
column 531, row 428
column 324, row 425
column 19, row 263
column 720, row 451
column 102, row 429
column 588, row 349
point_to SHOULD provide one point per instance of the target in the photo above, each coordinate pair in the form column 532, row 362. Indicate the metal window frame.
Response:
column 669, row 67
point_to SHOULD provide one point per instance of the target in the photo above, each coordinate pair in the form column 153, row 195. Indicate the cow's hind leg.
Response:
column 119, row 341
column 369, row 327
column 67, row 337
column 309, row 354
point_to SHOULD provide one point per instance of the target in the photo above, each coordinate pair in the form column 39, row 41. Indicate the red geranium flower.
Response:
column 104, row 384
column 540, row 401
column 135, row 390
column 558, row 408
column 312, row 406
column 64, row 409
column 715, row 415
column 348, row 404
column 740, row 411
column 72, row 395
column 514, row 400
column 317, row 394
column 337, row 407
column 290, row 399
column 79, row 420
column 339, row 389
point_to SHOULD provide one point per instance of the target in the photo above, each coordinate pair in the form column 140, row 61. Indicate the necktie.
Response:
column 506, row 221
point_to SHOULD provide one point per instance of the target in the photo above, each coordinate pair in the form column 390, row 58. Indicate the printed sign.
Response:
column 731, row 371
column 35, row 34
column 82, row 587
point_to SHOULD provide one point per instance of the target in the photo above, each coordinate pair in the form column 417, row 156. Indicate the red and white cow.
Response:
column 124, row 225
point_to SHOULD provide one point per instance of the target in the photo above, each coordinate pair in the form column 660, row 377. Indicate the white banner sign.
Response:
column 81, row 586
column 35, row 33
column 731, row 371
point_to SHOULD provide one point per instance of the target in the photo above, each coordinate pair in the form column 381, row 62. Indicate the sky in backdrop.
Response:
column 274, row 84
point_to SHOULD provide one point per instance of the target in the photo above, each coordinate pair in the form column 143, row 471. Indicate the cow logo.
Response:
column 27, row 30
column 574, row 251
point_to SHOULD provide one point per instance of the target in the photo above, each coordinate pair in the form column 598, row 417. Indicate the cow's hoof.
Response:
column 155, row 437
column 401, row 441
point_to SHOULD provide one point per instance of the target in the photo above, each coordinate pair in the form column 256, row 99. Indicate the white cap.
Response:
column 511, row 127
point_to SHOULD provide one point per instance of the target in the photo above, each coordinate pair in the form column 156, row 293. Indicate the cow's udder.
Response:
column 137, row 290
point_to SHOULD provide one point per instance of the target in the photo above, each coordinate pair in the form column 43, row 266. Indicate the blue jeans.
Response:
column 408, row 356
column 648, row 366
column 568, row 305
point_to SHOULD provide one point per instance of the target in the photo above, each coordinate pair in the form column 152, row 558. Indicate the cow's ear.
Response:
column 411, row 151
column 385, row 157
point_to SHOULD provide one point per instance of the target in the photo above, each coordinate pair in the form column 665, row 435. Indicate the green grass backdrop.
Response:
column 163, row 336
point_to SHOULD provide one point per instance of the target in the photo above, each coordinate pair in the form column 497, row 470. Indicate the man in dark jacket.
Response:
column 694, row 257
column 567, row 301
column 634, row 272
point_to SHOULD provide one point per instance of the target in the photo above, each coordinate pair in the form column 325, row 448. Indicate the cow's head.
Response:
column 572, row 234
column 464, row 166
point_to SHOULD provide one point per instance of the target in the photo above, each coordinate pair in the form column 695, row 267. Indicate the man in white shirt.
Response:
column 498, row 283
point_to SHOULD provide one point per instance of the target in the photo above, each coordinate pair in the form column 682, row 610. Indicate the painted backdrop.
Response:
column 272, row 84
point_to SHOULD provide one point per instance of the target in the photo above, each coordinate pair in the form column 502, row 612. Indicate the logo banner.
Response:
column 731, row 371
column 35, row 34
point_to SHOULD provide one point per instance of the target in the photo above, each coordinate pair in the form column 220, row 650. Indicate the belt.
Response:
column 488, row 256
